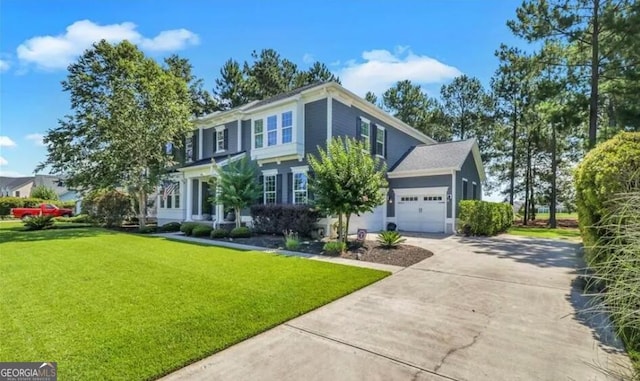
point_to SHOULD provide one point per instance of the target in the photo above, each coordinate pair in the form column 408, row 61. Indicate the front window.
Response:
column 168, row 148
column 258, row 133
column 299, row 188
column 380, row 141
column 287, row 127
column 189, row 149
column 170, row 196
column 272, row 130
column 270, row 189
column 365, row 134
column 220, row 141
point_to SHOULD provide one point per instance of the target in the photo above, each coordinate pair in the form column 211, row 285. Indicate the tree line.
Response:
column 577, row 83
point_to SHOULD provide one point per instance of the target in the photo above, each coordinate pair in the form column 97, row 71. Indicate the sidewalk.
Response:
column 343, row 261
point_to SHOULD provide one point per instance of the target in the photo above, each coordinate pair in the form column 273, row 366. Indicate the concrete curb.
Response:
column 343, row 261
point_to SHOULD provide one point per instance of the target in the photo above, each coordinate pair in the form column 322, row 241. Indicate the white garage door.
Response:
column 421, row 212
column 370, row 221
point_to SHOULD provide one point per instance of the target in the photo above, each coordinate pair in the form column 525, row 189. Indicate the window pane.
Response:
column 286, row 135
column 300, row 181
column 287, row 119
column 272, row 138
column 169, row 201
column 177, row 201
column 257, row 126
column 272, row 124
column 259, row 141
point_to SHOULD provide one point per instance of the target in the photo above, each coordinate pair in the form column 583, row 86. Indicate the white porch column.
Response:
column 200, row 143
column 199, row 199
column 219, row 207
column 189, row 200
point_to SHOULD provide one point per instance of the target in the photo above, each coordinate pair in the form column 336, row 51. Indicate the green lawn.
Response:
column 538, row 232
column 108, row 305
column 560, row 216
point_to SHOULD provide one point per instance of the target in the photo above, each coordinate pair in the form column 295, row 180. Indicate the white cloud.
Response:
column 36, row 138
column 381, row 69
column 308, row 58
column 6, row 141
column 3, row 161
column 57, row 52
column 4, row 66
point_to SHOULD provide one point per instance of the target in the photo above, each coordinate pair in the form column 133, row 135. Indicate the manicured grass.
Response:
column 560, row 216
column 108, row 305
column 538, row 232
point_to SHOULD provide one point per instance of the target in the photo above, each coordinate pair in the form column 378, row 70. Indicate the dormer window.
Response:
column 189, row 149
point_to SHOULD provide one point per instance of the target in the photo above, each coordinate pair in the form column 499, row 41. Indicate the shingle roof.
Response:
column 54, row 182
column 435, row 156
column 278, row 97
column 14, row 182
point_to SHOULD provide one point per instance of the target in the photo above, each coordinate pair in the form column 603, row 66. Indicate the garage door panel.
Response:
column 421, row 213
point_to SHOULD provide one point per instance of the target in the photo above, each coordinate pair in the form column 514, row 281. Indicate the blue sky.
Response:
column 369, row 44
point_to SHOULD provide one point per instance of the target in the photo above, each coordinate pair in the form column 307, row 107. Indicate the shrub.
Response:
column 275, row 219
column 80, row 219
column 291, row 240
column 170, row 227
column 334, row 247
column 201, row 231
column 219, row 233
column 43, row 192
column 147, row 230
column 241, row 232
column 390, row 239
column 484, row 218
column 39, row 223
column 108, row 207
column 607, row 170
column 187, row 227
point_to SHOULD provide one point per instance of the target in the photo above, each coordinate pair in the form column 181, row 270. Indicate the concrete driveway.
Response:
column 480, row 309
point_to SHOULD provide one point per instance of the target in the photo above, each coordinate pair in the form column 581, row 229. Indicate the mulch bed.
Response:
column 370, row 251
column 562, row 223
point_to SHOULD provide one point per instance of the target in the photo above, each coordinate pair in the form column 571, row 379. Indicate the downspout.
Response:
column 453, row 201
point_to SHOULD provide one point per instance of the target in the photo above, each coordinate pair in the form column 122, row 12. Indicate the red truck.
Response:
column 44, row 210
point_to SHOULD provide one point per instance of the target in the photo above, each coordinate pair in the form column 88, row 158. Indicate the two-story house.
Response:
column 426, row 179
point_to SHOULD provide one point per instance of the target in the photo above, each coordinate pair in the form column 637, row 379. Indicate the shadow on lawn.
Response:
column 19, row 234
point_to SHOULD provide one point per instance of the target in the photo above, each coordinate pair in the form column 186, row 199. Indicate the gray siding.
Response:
column 207, row 142
column 315, row 126
column 246, row 135
column 344, row 124
column 419, row 182
column 468, row 171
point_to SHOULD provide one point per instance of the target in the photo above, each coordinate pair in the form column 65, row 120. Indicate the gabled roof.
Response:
column 440, row 156
column 282, row 96
column 14, row 182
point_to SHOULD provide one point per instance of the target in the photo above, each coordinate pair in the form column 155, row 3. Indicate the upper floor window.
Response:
column 258, row 133
column 168, row 148
column 221, row 141
column 287, row 127
column 189, row 149
column 380, row 140
column 272, row 130
column 270, row 189
column 365, row 133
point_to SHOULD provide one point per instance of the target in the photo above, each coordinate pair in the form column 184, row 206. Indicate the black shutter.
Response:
column 289, row 188
column 373, row 133
column 310, row 197
column 226, row 139
column 358, row 128
column 260, row 198
column 385, row 144
column 278, row 189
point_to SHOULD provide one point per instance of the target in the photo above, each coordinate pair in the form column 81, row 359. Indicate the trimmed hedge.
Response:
column 7, row 203
column 606, row 171
column 201, row 231
column 170, row 227
column 278, row 218
column 241, row 232
column 107, row 206
column 219, row 233
column 187, row 227
column 484, row 217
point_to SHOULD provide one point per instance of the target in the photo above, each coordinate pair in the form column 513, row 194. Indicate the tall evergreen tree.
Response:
column 202, row 102
column 230, row 87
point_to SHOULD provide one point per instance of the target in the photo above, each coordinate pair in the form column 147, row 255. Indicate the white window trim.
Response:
column 277, row 112
column 384, row 130
column 368, row 140
column 304, row 169
column 219, row 129
column 269, row 173
column 172, row 195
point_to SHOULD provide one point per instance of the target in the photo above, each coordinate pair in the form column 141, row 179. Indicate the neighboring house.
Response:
column 16, row 186
column 426, row 178
column 57, row 184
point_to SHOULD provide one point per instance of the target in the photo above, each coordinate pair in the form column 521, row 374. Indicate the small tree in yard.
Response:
column 347, row 180
column 125, row 109
column 44, row 192
column 237, row 184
